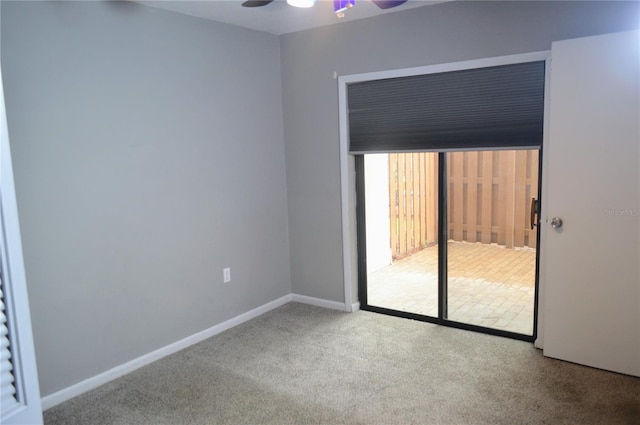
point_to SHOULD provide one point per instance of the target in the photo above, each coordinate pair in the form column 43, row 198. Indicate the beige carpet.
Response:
column 301, row 364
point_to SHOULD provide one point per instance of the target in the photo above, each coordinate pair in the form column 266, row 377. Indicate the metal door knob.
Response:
column 556, row 222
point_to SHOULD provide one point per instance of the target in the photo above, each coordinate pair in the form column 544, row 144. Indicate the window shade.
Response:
column 493, row 107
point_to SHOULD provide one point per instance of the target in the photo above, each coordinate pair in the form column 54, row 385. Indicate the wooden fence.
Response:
column 489, row 198
column 413, row 195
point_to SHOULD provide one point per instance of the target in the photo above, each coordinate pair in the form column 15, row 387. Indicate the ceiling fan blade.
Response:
column 256, row 3
column 388, row 4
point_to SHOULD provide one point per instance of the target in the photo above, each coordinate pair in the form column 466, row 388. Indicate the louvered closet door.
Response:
column 20, row 393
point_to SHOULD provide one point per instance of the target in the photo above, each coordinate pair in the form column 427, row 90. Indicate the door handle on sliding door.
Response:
column 535, row 206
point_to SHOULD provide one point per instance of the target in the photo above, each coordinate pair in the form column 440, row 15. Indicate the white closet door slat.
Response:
column 7, row 387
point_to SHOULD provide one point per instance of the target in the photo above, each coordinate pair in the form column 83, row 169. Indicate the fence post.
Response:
column 416, row 241
column 487, row 197
column 456, row 184
column 393, row 202
column 472, row 196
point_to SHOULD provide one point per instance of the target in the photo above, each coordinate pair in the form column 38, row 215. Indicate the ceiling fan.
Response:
column 339, row 6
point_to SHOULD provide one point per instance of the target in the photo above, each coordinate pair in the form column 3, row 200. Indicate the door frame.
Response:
column 347, row 167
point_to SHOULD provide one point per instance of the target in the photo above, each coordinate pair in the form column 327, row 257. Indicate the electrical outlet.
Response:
column 226, row 274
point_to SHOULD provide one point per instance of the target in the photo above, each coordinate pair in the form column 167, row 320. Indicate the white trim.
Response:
column 344, row 188
column 444, row 67
column 118, row 371
column 542, row 217
column 319, row 302
column 355, row 306
column 347, row 182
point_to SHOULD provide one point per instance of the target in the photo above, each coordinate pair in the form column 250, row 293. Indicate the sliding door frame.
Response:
column 443, row 231
column 352, row 206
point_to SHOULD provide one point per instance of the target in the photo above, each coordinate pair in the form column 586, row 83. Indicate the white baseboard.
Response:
column 319, row 302
column 88, row 384
column 355, row 306
column 118, row 371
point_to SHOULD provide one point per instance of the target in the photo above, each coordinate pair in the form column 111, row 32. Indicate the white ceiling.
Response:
column 277, row 17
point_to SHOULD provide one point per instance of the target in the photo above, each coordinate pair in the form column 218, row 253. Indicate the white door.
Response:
column 592, row 275
column 19, row 392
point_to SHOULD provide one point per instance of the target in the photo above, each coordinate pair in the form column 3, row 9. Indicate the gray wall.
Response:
column 441, row 33
column 148, row 154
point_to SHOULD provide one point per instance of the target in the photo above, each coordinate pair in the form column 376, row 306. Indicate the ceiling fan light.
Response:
column 301, row 3
column 343, row 5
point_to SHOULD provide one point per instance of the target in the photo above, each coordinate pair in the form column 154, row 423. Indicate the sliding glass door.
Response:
column 450, row 238
column 491, row 249
column 401, row 192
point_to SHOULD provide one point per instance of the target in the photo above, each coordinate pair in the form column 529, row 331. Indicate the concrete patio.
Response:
column 489, row 285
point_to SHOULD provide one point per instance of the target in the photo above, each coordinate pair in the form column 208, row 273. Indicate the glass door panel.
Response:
column 401, row 193
column 491, row 259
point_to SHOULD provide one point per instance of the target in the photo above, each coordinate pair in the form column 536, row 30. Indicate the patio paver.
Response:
column 489, row 285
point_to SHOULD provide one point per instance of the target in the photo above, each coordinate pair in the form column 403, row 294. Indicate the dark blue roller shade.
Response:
column 493, row 107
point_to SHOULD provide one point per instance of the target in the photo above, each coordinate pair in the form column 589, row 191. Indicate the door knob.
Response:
column 556, row 222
